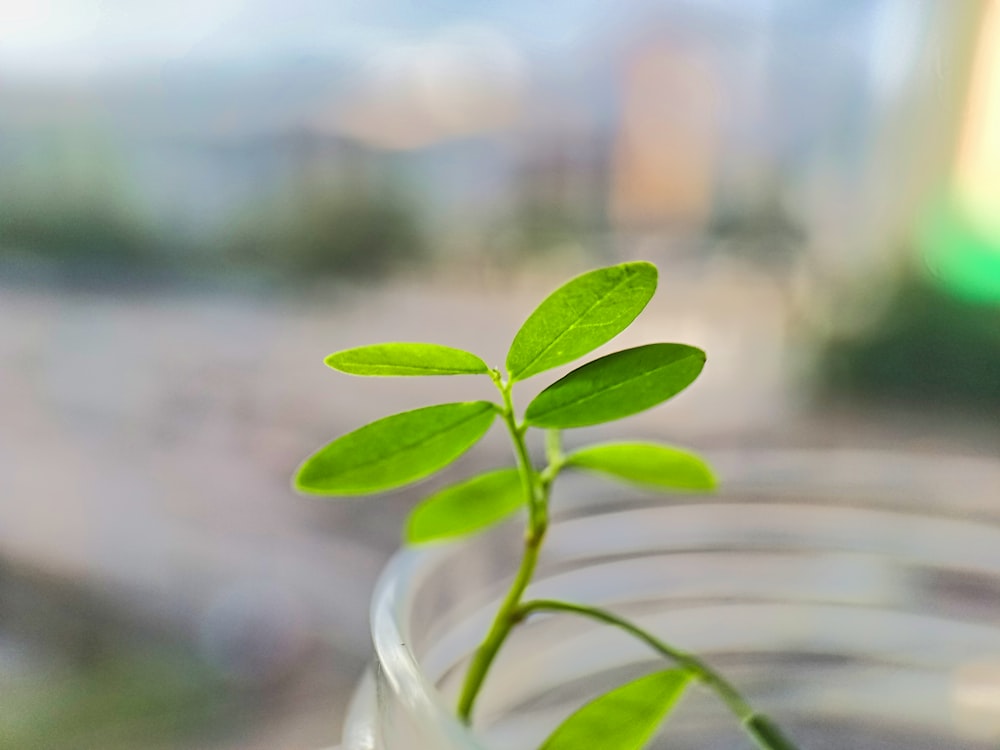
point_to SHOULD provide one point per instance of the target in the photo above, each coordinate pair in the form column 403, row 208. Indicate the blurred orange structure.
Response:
column 669, row 136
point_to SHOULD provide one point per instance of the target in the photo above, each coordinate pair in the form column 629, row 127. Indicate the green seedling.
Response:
column 397, row 450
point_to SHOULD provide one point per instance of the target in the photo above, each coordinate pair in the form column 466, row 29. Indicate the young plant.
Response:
column 580, row 316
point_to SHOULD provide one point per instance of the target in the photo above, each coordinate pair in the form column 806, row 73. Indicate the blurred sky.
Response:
column 87, row 36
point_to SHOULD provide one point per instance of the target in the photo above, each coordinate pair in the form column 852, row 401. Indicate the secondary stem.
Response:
column 536, row 494
column 698, row 668
column 763, row 731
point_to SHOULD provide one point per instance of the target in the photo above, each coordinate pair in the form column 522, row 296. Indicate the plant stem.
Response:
column 503, row 622
column 698, row 668
column 506, row 617
column 763, row 731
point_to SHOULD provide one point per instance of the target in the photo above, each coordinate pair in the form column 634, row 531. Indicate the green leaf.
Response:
column 396, row 450
column 406, row 359
column 584, row 313
column 647, row 464
column 616, row 386
column 623, row 719
column 466, row 507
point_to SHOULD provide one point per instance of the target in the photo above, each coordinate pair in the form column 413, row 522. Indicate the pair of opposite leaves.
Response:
column 580, row 316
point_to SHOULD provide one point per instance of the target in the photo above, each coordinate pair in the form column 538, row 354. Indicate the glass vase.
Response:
column 854, row 597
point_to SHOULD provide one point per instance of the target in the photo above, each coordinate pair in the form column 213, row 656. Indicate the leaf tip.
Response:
column 411, row 536
column 415, row 532
column 304, row 481
column 643, row 266
column 301, row 485
column 330, row 360
column 709, row 482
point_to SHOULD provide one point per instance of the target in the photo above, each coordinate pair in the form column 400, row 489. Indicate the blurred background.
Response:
column 200, row 200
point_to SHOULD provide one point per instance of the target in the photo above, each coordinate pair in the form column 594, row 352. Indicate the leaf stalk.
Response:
column 764, row 733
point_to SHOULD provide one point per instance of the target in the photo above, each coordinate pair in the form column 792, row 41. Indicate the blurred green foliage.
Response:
column 764, row 234
column 543, row 226
column 75, row 233
column 964, row 256
column 929, row 349
column 130, row 701
column 316, row 233
column 86, row 674
column 67, row 209
column 332, row 232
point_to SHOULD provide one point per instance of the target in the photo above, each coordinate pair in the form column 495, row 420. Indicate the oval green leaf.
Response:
column 616, row 386
column 624, row 718
column 466, row 507
column 584, row 313
column 395, row 450
column 406, row 359
column 646, row 464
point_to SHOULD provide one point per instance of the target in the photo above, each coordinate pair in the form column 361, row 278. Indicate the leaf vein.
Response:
column 629, row 275
column 418, row 368
column 609, row 389
column 409, row 446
